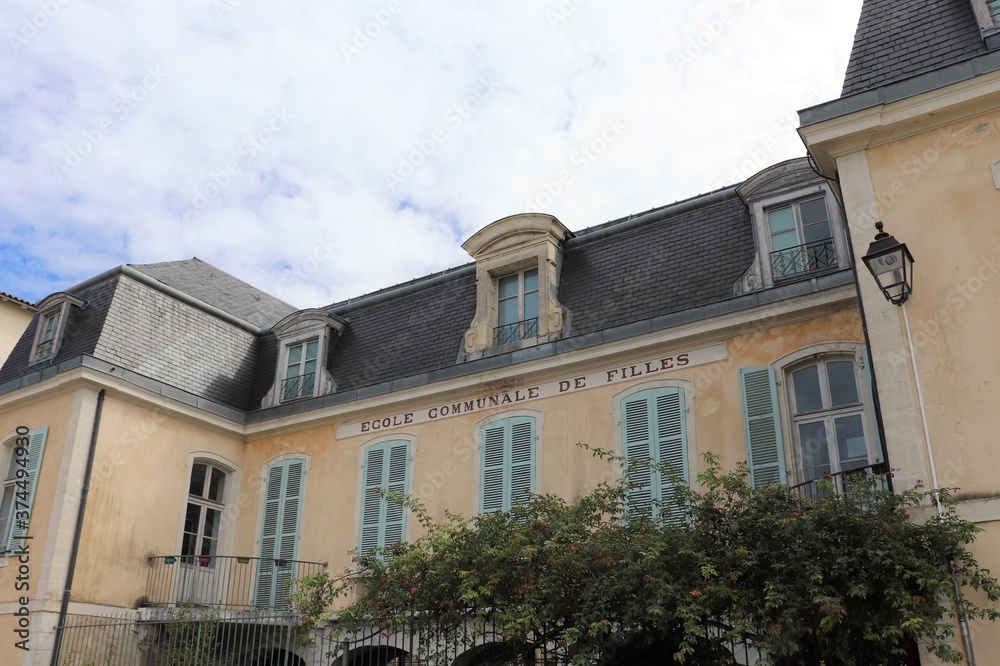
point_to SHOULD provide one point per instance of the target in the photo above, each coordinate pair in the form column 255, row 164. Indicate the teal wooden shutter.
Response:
column 765, row 453
column 654, row 428
column 279, row 533
column 24, row 493
column 508, row 469
column 637, row 446
column 671, row 452
column 493, row 467
column 866, row 364
column 383, row 521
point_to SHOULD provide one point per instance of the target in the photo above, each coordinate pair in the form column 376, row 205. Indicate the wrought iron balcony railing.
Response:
column 519, row 330
column 806, row 258
column 298, row 387
column 839, row 483
column 225, row 581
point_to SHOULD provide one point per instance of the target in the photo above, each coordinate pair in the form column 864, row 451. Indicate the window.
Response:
column 517, row 307
column 654, row 429
column 22, row 462
column 508, row 463
column 801, row 239
column 279, row 535
column 300, row 371
column 385, row 469
column 47, row 340
column 828, row 417
column 203, row 515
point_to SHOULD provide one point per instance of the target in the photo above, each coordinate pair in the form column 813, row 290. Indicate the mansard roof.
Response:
column 897, row 39
column 195, row 333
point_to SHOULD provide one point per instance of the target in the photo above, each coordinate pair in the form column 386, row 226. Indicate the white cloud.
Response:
column 487, row 103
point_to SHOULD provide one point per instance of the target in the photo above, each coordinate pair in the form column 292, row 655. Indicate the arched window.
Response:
column 203, row 514
column 826, row 400
column 21, row 462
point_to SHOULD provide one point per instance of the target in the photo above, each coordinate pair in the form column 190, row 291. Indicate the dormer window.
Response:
column 797, row 227
column 517, row 282
column 801, row 240
column 53, row 313
column 305, row 339
column 300, row 373
column 517, row 307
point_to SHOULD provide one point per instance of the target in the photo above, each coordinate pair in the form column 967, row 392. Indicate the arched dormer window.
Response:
column 53, row 312
column 305, row 339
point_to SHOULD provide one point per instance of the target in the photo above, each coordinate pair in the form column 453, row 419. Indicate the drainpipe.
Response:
column 79, row 527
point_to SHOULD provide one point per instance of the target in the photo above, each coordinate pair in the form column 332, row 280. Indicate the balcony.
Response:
column 224, row 581
column 302, row 386
column 515, row 332
column 811, row 257
column 839, row 483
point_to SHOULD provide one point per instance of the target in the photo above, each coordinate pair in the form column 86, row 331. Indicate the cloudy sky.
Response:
column 322, row 150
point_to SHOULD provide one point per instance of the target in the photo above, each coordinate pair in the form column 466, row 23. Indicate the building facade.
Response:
column 15, row 315
column 914, row 142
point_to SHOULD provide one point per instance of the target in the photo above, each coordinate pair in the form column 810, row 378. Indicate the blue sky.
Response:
column 323, row 150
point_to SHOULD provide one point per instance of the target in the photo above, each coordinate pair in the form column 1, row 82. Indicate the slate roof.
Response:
column 897, row 39
column 631, row 269
column 219, row 289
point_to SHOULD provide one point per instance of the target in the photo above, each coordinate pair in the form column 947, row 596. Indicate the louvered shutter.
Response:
column 24, row 489
column 279, row 533
column 494, row 464
column 866, row 364
column 383, row 520
column 671, row 451
column 637, row 444
column 765, row 453
column 371, row 505
column 522, row 461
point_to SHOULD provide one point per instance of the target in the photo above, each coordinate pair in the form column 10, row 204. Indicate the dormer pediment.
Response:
column 304, row 321
column 515, row 232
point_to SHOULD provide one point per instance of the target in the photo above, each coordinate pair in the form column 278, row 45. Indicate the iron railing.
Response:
column 519, row 330
column 806, row 258
column 839, row 483
column 224, row 581
column 298, row 387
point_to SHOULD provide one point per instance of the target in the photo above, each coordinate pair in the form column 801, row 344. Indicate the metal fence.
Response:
column 224, row 581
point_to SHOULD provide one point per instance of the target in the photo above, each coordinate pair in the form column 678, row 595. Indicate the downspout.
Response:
column 64, row 608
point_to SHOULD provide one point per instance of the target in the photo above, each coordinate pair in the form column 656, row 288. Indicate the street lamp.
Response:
column 891, row 263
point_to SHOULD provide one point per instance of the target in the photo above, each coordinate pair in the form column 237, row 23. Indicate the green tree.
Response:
column 837, row 576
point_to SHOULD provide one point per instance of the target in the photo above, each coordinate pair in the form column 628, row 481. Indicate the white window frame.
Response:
column 801, row 358
column 6, row 458
column 204, row 503
column 760, row 211
column 286, row 354
column 521, row 298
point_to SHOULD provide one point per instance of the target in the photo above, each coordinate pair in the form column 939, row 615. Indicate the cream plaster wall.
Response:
column 14, row 318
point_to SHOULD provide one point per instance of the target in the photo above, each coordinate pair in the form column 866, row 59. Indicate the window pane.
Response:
column 507, row 313
column 781, row 219
column 816, row 232
column 5, row 506
column 208, row 550
column 191, row 518
column 851, row 441
column 293, row 371
column 294, row 354
column 807, row 393
column 507, row 286
column 310, row 368
column 12, row 467
column 312, row 349
column 784, row 240
column 188, row 544
column 218, row 485
column 198, row 479
column 531, row 305
column 531, row 280
column 813, row 210
column 212, row 520
column 815, row 453
column 843, row 387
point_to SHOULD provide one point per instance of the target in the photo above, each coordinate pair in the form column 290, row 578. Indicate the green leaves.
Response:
column 840, row 576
